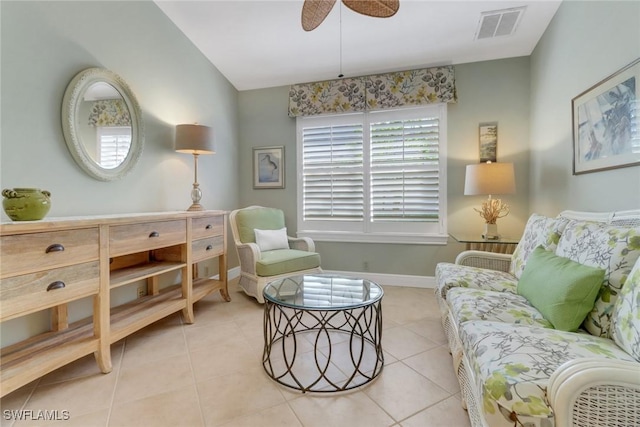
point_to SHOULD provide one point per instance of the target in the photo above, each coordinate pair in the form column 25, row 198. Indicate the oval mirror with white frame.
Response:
column 102, row 124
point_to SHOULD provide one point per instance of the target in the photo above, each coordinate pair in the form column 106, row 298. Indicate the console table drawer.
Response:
column 29, row 293
column 206, row 248
column 126, row 239
column 207, row 226
column 25, row 253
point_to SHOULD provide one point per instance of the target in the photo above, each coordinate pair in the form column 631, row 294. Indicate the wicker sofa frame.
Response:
column 588, row 392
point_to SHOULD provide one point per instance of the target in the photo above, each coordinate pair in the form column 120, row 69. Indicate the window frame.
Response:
column 434, row 233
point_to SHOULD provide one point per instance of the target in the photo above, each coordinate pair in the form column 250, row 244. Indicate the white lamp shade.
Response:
column 489, row 178
column 194, row 139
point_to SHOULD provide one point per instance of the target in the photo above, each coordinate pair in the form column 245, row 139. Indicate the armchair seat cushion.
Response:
column 281, row 261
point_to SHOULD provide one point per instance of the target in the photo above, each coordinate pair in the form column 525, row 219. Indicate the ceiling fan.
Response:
column 314, row 11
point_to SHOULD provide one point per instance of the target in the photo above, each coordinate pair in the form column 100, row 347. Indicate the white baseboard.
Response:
column 391, row 279
column 233, row 273
column 427, row 282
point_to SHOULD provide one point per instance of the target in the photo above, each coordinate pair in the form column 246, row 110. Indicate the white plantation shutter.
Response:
column 113, row 145
column 405, row 170
column 374, row 176
column 333, row 177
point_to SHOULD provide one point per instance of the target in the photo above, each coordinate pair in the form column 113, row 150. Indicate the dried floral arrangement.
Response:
column 492, row 209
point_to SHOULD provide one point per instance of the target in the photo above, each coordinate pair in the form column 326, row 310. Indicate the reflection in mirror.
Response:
column 102, row 124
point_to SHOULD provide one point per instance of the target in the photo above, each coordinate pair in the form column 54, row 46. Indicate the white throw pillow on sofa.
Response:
column 269, row 240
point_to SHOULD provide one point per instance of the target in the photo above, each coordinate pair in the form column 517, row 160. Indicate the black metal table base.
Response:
column 323, row 350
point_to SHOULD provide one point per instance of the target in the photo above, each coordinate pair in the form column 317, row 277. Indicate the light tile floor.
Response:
column 210, row 374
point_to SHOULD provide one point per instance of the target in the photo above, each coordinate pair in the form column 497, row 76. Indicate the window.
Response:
column 113, row 145
column 373, row 177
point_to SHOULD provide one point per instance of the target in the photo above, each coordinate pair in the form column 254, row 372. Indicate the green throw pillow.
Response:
column 563, row 290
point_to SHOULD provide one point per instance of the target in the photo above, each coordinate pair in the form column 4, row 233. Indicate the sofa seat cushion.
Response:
column 280, row 261
column 615, row 249
column 450, row 275
column 512, row 365
column 477, row 304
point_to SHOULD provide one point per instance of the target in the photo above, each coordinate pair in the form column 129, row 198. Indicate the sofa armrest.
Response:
column 248, row 253
column 302, row 244
column 482, row 259
column 595, row 391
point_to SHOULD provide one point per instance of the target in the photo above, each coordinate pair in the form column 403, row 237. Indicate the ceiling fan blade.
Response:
column 314, row 12
column 375, row 8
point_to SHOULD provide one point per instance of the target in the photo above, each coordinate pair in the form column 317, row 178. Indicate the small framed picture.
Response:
column 268, row 167
column 606, row 123
column 488, row 139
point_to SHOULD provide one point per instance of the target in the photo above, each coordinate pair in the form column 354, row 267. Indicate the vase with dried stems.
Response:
column 490, row 211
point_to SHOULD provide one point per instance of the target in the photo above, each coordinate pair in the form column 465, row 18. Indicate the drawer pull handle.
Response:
column 208, row 227
column 154, row 234
column 209, row 248
column 56, row 247
column 55, row 285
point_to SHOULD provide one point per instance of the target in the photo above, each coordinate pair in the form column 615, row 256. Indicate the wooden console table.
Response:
column 46, row 264
column 503, row 245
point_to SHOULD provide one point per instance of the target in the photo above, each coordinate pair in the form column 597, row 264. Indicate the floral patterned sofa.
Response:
column 514, row 366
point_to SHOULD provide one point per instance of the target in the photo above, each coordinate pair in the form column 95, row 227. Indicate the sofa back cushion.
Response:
column 247, row 220
column 539, row 230
column 625, row 322
column 562, row 290
column 613, row 248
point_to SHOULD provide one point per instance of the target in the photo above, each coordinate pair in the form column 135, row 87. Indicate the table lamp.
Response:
column 196, row 140
column 490, row 178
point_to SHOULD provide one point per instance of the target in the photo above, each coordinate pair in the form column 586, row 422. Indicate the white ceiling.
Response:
column 258, row 44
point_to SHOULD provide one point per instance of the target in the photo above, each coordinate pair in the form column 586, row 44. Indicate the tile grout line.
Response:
column 26, row 401
column 193, row 374
column 115, row 386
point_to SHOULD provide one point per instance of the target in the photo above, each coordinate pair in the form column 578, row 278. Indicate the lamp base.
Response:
column 490, row 232
column 195, row 207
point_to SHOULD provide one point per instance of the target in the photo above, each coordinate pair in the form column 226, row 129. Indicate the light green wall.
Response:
column 44, row 44
column 487, row 91
column 585, row 42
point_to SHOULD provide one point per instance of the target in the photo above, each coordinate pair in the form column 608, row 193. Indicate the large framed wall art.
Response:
column 606, row 123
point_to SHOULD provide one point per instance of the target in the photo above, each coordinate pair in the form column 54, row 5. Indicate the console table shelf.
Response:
column 47, row 264
column 125, row 276
column 30, row 359
column 203, row 287
column 131, row 317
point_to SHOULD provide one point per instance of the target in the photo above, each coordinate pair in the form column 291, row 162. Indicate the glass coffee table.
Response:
column 323, row 332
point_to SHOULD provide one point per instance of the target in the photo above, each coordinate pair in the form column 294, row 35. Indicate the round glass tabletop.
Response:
column 323, row 292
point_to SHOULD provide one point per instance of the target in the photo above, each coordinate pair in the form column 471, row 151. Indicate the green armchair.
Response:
column 268, row 254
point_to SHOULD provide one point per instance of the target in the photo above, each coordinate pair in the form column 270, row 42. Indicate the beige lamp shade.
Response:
column 194, row 139
column 489, row 178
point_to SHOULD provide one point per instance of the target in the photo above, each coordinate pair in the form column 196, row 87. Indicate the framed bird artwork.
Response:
column 268, row 167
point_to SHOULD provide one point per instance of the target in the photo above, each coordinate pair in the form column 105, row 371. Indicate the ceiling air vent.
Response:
column 498, row 22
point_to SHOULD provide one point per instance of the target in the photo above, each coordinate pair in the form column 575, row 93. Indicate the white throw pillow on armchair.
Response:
column 269, row 240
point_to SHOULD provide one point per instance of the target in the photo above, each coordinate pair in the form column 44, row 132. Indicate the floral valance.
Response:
column 375, row 92
column 109, row 112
